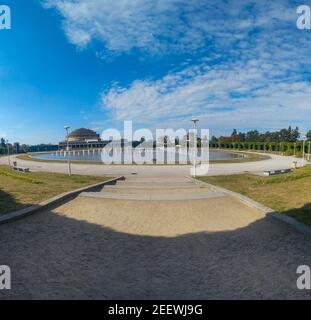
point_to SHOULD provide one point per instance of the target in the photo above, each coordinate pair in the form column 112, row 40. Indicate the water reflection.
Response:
column 139, row 155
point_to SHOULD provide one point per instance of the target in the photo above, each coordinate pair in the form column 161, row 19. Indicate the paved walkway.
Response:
column 276, row 162
column 107, row 248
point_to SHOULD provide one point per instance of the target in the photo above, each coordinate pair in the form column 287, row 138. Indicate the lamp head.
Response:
column 194, row 120
column 66, row 127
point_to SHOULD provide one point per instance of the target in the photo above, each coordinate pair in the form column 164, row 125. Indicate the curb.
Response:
column 52, row 202
column 254, row 204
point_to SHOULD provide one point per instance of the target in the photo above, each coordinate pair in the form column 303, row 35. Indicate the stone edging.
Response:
column 254, row 204
column 18, row 214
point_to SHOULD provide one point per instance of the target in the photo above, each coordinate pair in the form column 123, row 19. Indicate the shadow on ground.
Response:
column 9, row 203
column 302, row 214
column 54, row 257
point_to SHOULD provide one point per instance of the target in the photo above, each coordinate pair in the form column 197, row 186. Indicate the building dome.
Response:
column 83, row 134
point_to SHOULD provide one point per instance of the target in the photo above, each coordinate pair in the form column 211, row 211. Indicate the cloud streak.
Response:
column 254, row 72
column 226, row 95
column 159, row 26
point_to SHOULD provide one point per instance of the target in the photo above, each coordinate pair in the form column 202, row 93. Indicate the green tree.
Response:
column 234, row 135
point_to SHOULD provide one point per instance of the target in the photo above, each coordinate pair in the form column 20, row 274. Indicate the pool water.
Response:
column 96, row 155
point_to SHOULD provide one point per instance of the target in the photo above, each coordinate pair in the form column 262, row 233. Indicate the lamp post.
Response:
column 69, row 165
column 303, row 150
column 294, row 149
column 8, row 146
column 309, row 146
column 195, row 121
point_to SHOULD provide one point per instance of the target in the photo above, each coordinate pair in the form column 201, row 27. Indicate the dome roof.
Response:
column 83, row 134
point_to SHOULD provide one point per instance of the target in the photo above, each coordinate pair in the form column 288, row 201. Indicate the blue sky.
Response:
column 94, row 63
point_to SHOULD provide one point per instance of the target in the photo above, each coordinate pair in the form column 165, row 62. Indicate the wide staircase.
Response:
column 155, row 188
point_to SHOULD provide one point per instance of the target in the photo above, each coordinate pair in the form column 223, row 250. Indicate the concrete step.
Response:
column 172, row 187
column 153, row 197
column 130, row 190
column 159, row 182
column 163, row 180
column 161, row 185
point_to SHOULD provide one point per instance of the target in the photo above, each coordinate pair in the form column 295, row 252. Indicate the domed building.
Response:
column 82, row 139
column 84, row 135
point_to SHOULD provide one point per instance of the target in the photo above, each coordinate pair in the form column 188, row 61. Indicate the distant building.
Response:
column 39, row 148
column 82, row 139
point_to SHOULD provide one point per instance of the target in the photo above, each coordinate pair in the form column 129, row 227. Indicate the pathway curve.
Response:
column 111, row 247
column 274, row 163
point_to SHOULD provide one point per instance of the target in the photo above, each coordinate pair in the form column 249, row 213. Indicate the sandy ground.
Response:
column 107, row 249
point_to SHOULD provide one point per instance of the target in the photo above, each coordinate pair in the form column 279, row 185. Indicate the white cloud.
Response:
column 254, row 73
column 159, row 26
column 240, row 95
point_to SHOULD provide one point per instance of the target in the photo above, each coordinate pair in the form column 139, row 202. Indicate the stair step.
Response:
column 152, row 197
column 130, row 190
column 124, row 186
column 143, row 183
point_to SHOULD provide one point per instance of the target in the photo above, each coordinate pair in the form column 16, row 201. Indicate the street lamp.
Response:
column 303, row 150
column 294, row 149
column 195, row 121
column 8, row 146
column 69, row 166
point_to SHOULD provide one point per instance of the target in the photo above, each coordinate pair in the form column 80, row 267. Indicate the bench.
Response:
column 275, row 172
column 22, row 169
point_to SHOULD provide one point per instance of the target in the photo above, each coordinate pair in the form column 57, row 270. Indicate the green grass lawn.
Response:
column 250, row 157
column 18, row 190
column 289, row 193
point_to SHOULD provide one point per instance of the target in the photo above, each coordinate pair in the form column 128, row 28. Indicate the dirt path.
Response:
column 119, row 249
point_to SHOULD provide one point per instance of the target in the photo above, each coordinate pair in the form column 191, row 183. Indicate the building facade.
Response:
column 82, row 139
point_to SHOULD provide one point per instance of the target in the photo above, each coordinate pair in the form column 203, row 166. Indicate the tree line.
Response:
column 283, row 135
column 285, row 141
column 16, row 147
